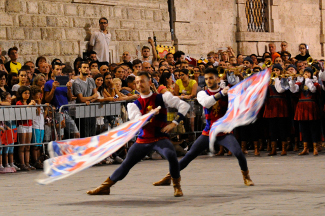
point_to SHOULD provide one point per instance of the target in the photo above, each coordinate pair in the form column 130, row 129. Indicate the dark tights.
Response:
column 139, row 151
column 202, row 143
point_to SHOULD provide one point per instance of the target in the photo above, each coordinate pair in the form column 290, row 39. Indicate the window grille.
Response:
column 256, row 14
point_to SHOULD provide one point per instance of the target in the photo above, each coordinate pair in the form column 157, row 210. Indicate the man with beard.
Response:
column 84, row 88
column 215, row 102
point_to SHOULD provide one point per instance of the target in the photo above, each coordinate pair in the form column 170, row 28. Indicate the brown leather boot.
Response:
column 243, row 147
column 103, row 189
column 315, row 149
column 306, row 150
column 247, row 179
column 284, row 149
column 177, row 187
column 221, row 151
column 268, row 146
column 164, row 181
column 273, row 151
column 229, row 153
column 260, row 142
column 257, row 150
column 319, row 146
column 296, row 148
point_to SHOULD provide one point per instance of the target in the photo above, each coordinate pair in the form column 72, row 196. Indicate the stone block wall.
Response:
column 61, row 28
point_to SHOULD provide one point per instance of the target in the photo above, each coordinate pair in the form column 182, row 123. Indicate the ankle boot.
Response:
column 268, row 146
column 257, row 151
column 295, row 149
column 221, row 151
column 247, row 179
column 164, row 181
column 315, row 149
column 229, row 153
column 319, row 146
column 273, row 151
column 177, row 187
column 103, row 189
column 306, row 150
column 243, row 147
column 260, row 142
column 284, row 149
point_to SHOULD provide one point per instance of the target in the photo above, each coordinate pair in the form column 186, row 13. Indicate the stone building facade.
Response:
column 61, row 28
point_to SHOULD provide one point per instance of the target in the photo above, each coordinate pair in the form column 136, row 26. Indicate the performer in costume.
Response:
column 307, row 110
column 276, row 112
column 153, row 136
column 215, row 102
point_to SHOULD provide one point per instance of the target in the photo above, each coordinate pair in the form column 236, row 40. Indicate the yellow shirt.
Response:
column 14, row 67
column 185, row 90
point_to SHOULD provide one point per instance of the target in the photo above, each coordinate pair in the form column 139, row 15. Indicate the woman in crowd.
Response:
column 39, row 81
column 304, row 53
column 185, row 87
column 39, row 61
column 3, row 83
column 22, row 75
column 165, row 83
column 12, row 80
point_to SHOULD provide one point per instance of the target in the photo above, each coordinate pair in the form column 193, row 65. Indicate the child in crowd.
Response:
column 38, row 126
column 24, row 129
column 9, row 125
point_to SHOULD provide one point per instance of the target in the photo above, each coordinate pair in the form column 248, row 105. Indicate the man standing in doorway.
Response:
column 99, row 41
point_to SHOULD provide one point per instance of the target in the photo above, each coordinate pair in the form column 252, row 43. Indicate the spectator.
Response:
column 179, row 56
column 59, row 96
column 200, row 79
column 176, row 74
column 84, row 89
column 44, row 68
column 128, row 96
column 94, row 65
column 278, row 60
column 2, row 57
column 301, row 67
column 32, row 69
column 155, row 65
column 272, row 49
column 304, row 53
column 22, row 74
column 99, row 41
column 38, row 126
column 146, row 66
column 39, row 60
column 40, row 81
column 185, row 87
column 165, row 83
column 130, row 90
column 240, row 59
column 93, row 56
column 76, row 65
column 126, row 58
column 24, row 129
column 145, row 52
column 184, row 64
column 170, row 58
column 285, row 56
column 3, row 85
column 103, row 69
column 164, row 63
column 12, row 80
column 2, row 65
column 211, row 59
column 254, row 58
column 119, row 73
column 233, row 61
column 13, row 65
column 248, row 63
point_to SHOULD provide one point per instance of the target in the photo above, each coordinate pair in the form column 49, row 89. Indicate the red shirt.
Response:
column 24, row 122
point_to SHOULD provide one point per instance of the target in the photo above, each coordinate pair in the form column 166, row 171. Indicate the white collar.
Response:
column 146, row 96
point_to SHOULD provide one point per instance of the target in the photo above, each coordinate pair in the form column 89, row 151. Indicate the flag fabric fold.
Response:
column 71, row 156
column 244, row 103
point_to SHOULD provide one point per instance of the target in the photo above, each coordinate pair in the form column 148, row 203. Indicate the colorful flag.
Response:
column 71, row 156
column 244, row 102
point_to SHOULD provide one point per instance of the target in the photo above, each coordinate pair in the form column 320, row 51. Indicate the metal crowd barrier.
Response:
column 11, row 116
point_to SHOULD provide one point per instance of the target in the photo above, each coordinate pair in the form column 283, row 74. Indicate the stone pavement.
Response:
column 291, row 185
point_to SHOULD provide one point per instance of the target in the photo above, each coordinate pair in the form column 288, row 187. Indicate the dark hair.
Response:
column 93, row 62
column 2, row 73
column 83, row 62
column 67, row 69
column 24, row 68
column 253, row 55
column 178, row 54
column 169, row 54
column 12, row 48
column 20, row 92
column 55, row 64
column 29, row 62
column 185, row 71
column 136, row 61
column 55, row 61
column 115, row 69
column 211, row 70
column 103, row 18
column 76, row 69
column 10, row 76
column 39, row 59
column 307, row 50
column 34, row 90
column 145, row 47
column 178, row 63
column 92, row 52
column 130, row 79
column 144, row 73
column 177, row 71
column 239, row 55
column 4, row 95
column 160, row 64
column 163, row 78
column 101, row 88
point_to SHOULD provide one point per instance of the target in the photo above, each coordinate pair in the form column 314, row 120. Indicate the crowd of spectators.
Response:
column 94, row 80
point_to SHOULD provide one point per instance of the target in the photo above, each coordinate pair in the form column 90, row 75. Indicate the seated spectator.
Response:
column 185, row 87
column 22, row 74
column 13, row 65
column 3, row 83
column 165, row 83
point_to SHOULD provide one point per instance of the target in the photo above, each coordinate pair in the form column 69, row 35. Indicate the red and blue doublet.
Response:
column 307, row 108
column 215, row 112
column 275, row 104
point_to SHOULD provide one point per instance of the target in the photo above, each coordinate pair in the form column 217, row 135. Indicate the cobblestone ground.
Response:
column 291, row 185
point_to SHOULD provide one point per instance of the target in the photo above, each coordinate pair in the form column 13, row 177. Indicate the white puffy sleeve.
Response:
column 133, row 111
column 294, row 88
column 277, row 85
column 205, row 100
column 174, row 102
column 309, row 83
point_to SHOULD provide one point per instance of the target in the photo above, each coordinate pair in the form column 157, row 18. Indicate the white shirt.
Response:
column 100, row 41
column 38, row 120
